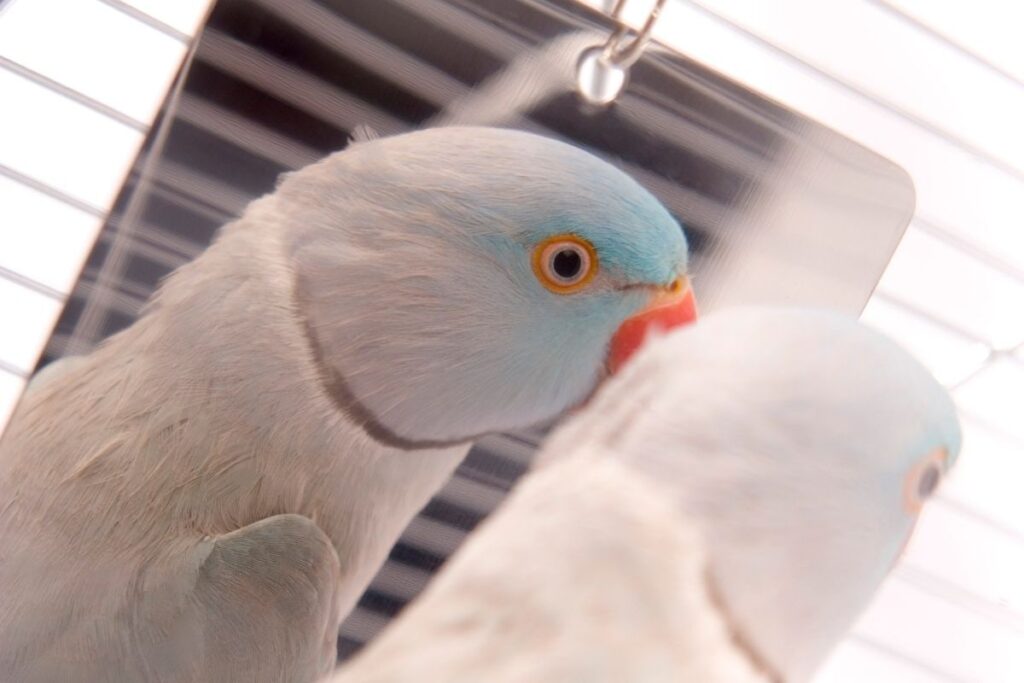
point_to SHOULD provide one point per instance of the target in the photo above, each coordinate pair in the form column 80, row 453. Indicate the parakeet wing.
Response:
column 267, row 602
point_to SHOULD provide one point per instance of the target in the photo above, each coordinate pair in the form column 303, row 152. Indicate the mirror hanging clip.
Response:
column 602, row 70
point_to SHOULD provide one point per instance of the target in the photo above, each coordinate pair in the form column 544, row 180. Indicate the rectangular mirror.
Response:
column 777, row 208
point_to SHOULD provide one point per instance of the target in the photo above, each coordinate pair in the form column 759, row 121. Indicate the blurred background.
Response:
column 795, row 140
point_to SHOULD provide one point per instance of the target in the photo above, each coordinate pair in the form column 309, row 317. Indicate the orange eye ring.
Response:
column 922, row 480
column 565, row 264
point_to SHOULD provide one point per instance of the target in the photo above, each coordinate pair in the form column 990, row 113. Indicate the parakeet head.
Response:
column 458, row 281
column 802, row 443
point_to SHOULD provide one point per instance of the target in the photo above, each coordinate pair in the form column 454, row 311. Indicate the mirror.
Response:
column 777, row 208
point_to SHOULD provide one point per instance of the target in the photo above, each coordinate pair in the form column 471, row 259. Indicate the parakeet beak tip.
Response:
column 670, row 307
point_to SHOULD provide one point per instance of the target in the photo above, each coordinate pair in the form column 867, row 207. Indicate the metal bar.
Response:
column 72, row 94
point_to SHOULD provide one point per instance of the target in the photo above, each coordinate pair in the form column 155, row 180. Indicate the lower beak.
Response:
column 671, row 307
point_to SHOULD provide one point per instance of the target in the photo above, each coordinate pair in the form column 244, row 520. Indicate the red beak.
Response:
column 672, row 307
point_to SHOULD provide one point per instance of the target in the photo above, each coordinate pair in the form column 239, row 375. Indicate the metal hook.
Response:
column 625, row 55
column 602, row 69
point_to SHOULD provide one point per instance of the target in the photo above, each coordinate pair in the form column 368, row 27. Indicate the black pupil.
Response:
column 928, row 483
column 567, row 264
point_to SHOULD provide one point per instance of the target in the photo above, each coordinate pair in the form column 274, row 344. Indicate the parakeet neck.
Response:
column 795, row 544
column 585, row 573
column 210, row 410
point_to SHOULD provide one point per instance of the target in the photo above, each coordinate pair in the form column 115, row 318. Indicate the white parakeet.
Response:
column 204, row 496
column 719, row 514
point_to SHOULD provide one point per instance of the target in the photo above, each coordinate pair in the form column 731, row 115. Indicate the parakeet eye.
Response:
column 564, row 263
column 923, row 479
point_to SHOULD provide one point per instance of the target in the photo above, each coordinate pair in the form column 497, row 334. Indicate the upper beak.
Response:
column 670, row 307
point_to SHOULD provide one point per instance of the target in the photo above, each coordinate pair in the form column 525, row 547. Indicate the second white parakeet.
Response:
column 720, row 513
column 204, row 496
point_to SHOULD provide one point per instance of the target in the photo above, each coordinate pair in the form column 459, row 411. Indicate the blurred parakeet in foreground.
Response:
column 204, row 496
column 720, row 513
